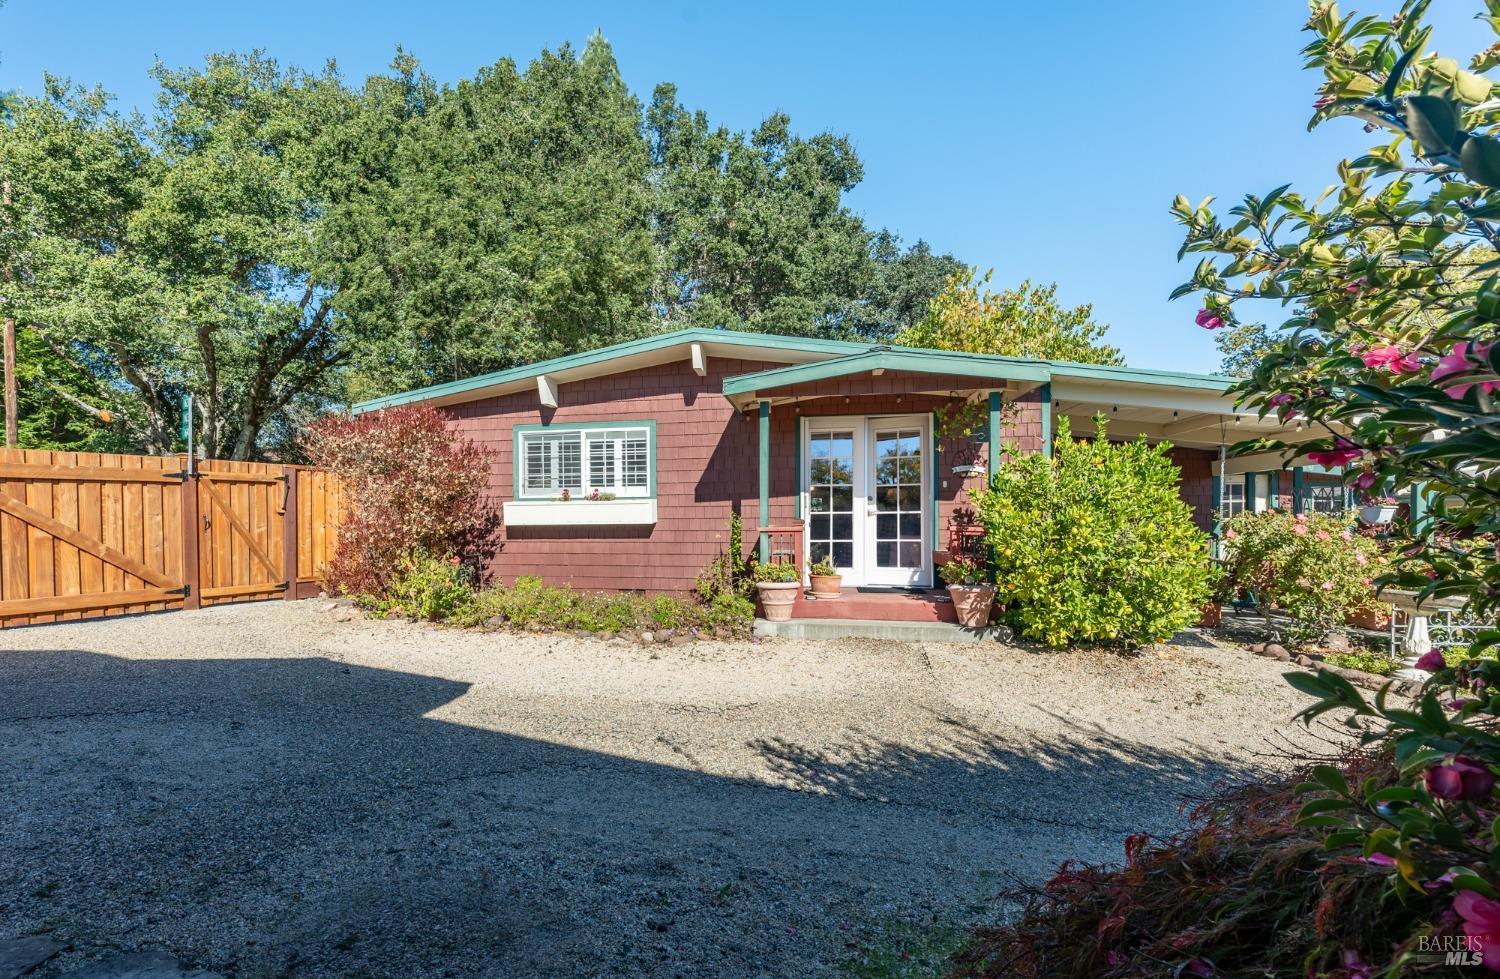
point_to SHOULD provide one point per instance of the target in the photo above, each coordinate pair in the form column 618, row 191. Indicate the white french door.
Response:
column 866, row 507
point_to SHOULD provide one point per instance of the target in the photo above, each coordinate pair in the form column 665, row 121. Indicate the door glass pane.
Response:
column 898, row 499
column 831, row 497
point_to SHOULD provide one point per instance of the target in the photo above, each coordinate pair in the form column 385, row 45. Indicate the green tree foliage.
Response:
column 1026, row 321
column 1094, row 544
column 752, row 227
column 274, row 241
column 510, row 223
column 1390, row 279
column 179, row 255
column 903, row 286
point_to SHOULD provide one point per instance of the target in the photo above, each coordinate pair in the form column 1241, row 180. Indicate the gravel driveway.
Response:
column 264, row 791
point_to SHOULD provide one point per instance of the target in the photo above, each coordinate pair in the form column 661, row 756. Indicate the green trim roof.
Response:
column 842, row 357
column 892, row 358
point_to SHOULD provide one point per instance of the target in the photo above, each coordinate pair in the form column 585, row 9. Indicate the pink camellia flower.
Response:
column 1324, row 102
column 1207, row 319
column 1357, row 284
column 1231, row 535
column 1342, row 453
column 1284, row 398
column 1459, row 703
column 1300, row 529
column 1461, row 779
column 1482, row 924
column 1461, row 360
column 1431, row 661
column 1382, row 357
column 1365, row 479
column 1380, row 860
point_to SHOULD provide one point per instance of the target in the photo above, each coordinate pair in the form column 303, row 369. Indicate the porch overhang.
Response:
column 986, row 373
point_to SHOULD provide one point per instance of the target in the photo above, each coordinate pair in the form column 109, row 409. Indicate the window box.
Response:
column 579, row 513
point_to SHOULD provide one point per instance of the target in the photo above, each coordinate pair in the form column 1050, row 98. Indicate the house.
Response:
column 618, row 468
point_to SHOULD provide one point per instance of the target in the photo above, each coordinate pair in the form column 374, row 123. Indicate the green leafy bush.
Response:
column 1364, row 661
column 963, row 571
column 424, row 587
column 779, row 574
column 729, row 573
column 1094, row 543
column 1313, row 567
column 532, row 604
column 823, row 567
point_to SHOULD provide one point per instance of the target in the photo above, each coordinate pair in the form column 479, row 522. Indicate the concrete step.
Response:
column 880, row 629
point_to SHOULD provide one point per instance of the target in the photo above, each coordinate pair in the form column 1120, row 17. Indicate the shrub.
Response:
column 424, row 587
column 779, row 574
column 410, row 485
column 532, row 604
column 963, row 571
column 1245, row 891
column 729, row 573
column 1367, row 662
column 1095, row 543
column 1313, row 567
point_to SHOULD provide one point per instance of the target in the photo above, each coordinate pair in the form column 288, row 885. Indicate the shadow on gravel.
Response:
column 302, row 817
column 1084, row 777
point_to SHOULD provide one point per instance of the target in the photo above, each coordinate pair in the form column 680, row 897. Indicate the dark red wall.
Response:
column 706, row 457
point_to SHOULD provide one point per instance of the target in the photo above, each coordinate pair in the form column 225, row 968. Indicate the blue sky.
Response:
column 1043, row 138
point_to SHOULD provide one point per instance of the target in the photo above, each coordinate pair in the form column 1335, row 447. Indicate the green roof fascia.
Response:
column 628, row 348
column 905, row 359
column 1143, row 375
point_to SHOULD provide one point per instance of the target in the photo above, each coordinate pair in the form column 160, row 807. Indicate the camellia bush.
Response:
column 1312, row 567
column 1094, row 544
column 412, row 487
column 1390, row 282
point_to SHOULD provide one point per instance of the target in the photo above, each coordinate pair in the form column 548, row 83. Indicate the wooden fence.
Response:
column 85, row 534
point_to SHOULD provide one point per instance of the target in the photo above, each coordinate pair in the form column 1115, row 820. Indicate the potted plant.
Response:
column 825, row 578
column 1378, row 510
column 972, row 595
column 777, row 585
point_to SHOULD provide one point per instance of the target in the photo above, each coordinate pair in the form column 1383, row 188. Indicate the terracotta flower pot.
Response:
column 777, row 598
column 1211, row 616
column 1375, row 619
column 972, row 604
column 826, row 585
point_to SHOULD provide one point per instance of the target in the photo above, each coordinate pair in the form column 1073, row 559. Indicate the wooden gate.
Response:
column 90, row 534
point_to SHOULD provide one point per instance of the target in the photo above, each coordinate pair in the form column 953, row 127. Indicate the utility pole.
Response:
column 12, row 437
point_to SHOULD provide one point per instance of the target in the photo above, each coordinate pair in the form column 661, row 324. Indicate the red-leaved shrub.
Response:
column 411, row 485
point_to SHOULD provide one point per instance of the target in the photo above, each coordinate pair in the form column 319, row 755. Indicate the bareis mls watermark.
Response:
column 1450, row 949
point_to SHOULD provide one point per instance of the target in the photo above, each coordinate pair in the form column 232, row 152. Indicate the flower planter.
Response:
column 825, row 585
column 1377, row 514
column 972, row 604
column 1374, row 619
column 1211, row 617
column 777, row 598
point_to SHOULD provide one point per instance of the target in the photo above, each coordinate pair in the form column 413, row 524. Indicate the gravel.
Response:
column 262, row 790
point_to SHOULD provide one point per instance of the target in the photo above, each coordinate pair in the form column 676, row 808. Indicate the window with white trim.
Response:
column 613, row 461
column 1233, row 498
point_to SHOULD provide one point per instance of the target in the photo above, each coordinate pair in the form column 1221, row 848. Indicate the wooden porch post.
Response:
column 1047, row 419
column 765, row 481
column 289, row 534
column 994, row 433
column 1296, row 489
column 1250, row 490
